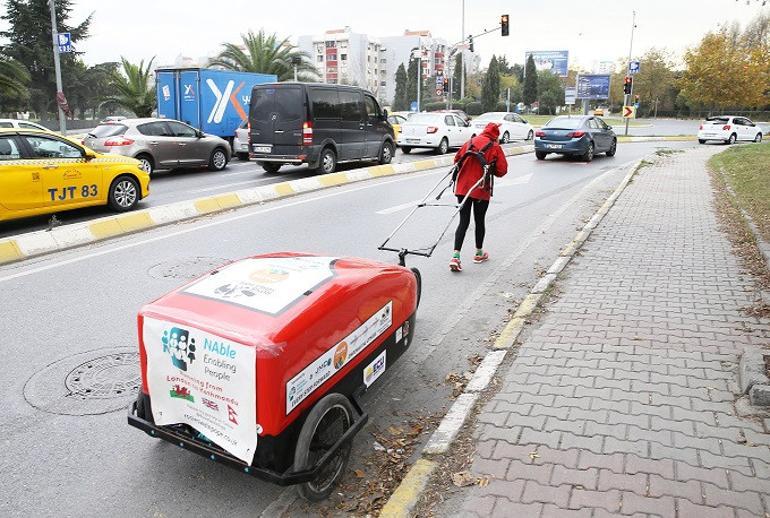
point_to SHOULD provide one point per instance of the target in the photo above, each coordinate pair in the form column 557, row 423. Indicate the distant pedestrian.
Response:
column 480, row 149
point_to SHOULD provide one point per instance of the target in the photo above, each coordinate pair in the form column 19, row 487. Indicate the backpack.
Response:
column 478, row 154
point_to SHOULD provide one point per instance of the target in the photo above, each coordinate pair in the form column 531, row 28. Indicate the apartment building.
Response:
column 343, row 56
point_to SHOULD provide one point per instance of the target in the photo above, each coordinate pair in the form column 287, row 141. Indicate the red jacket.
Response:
column 471, row 169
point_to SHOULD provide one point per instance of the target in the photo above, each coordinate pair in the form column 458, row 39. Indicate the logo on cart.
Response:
column 210, row 404
column 181, row 393
column 340, row 355
column 269, row 275
column 232, row 415
column 177, row 343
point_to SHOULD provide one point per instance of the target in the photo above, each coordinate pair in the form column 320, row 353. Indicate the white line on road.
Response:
column 228, row 185
column 217, row 222
column 499, row 183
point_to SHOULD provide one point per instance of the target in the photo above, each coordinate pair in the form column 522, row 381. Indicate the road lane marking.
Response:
column 227, row 186
column 203, row 226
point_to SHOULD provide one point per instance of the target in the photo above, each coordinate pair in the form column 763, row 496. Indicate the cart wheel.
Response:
column 327, row 422
column 418, row 275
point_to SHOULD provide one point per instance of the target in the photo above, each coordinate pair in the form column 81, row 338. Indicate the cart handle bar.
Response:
column 403, row 252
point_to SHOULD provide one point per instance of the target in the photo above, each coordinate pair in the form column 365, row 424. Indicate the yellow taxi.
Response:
column 396, row 120
column 42, row 173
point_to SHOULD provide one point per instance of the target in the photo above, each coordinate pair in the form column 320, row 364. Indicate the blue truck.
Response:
column 213, row 101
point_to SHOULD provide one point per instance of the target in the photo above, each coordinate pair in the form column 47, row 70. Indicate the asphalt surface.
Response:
column 185, row 184
column 63, row 311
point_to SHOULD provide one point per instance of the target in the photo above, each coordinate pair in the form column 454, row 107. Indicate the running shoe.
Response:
column 455, row 265
column 480, row 258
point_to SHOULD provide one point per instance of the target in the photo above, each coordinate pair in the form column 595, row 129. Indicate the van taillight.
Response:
column 307, row 134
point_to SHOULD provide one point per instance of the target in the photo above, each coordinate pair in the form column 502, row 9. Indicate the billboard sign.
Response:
column 554, row 61
column 593, row 86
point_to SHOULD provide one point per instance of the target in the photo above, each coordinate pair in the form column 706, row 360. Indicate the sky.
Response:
column 593, row 31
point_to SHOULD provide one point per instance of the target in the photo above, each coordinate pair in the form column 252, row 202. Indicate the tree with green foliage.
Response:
column 29, row 37
column 490, row 88
column 457, row 75
column 411, row 85
column 266, row 54
column 503, row 66
column 135, row 87
column 400, row 101
column 518, row 71
column 529, row 92
column 550, row 92
column 14, row 77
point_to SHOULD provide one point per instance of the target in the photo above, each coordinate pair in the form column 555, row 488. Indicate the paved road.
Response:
column 179, row 185
column 75, row 456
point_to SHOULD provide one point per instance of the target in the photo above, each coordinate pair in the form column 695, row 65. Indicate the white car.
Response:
column 439, row 131
column 15, row 123
column 512, row 126
column 729, row 129
column 241, row 141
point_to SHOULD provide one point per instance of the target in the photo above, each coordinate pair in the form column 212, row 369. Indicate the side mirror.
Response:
column 88, row 154
column 385, row 114
column 199, row 134
column 609, row 127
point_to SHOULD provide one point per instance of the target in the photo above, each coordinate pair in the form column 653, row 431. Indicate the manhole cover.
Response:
column 188, row 268
column 95, row 382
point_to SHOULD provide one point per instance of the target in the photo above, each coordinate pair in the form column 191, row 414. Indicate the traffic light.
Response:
column 627, row 83
column 504, row 25
column 470, row 43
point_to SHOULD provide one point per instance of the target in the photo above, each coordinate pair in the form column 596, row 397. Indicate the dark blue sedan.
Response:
column 583, row 136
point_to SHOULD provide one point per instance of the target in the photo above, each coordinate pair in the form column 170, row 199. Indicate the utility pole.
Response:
column 627, row 98
column 462, row 56
column 57, row 67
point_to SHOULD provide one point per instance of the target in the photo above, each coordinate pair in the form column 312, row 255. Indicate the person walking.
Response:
column 472, row 157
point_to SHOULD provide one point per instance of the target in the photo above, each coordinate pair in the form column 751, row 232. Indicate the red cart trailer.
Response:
column 258, row 364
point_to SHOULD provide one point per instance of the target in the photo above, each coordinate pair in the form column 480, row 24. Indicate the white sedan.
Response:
column 241, row 141
column 15, row 123
column 729, row 129
column 512, row 126
column 439, row 131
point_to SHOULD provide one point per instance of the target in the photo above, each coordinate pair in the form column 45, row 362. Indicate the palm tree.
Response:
column 135, row 87
column 266, row 54
column 14, row 77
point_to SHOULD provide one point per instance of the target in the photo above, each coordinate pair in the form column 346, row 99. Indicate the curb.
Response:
column 32, row 244
column 403, row 501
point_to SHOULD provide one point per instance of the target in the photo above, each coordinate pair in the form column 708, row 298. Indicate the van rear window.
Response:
column 288, row 103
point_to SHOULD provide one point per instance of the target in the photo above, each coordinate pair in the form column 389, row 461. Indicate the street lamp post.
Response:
column 627, row 97
column 57, row 67
column 419, row 75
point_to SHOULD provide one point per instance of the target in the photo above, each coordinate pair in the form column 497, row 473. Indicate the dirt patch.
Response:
column 735, row 226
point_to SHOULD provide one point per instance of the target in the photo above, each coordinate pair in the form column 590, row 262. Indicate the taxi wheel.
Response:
column 218, row 159
column 329, row 419
column 124, row 194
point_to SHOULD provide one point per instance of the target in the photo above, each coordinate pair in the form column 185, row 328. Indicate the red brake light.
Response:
column 118, row 141
column 307, row 134
column 540, row 133
column 431, row 129
column 576, row 134
column 726, row 127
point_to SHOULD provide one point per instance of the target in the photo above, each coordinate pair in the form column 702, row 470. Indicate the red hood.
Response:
column 492, row 131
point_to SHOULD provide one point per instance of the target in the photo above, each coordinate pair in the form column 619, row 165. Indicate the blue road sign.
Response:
column 64, row 40
column 413, row 106
column 634, row 67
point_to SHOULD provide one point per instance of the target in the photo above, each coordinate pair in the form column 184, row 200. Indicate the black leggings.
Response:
column 479, row 212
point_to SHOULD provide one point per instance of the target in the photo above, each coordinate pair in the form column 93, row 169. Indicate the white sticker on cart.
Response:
column 375, row 369
column 324, row 367
column 205, row 381
column 268, row 284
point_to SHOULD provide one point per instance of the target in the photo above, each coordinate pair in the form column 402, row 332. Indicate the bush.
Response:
column 434, row 106
column 473, row 108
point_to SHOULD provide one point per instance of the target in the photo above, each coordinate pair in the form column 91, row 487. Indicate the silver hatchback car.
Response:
column 160, row 144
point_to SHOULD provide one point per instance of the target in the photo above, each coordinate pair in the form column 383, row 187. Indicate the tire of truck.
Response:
column 270, row 167
column 329, row 419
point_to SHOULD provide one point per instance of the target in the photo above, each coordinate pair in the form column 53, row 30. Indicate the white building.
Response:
column 342, row 56
column 345, row 57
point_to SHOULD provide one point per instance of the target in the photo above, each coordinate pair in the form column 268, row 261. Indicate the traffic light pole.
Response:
column 462, row 57
column 627, row 97
column 57, row 68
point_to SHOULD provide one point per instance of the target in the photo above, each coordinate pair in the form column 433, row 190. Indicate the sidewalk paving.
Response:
column 621, row 400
